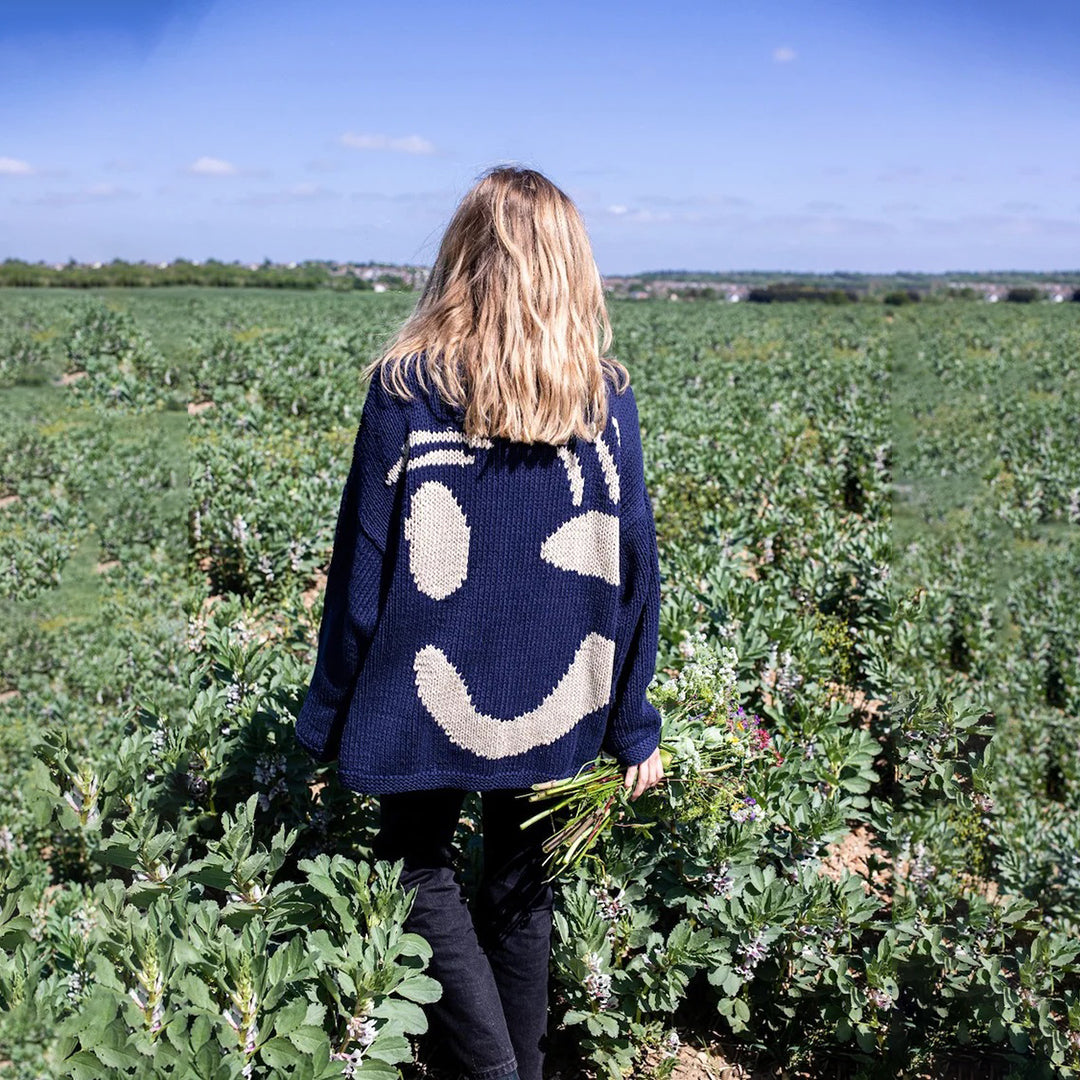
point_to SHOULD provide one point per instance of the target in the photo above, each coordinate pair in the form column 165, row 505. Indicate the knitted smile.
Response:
column 584, row 688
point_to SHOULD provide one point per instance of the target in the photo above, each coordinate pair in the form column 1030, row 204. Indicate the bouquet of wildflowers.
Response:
column 708, row 744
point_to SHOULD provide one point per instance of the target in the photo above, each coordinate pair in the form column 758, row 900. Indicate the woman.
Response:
column 492, row 602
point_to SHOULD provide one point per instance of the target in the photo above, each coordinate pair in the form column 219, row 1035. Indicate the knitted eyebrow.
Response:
column 573, row 473
column 570, row 459
column 446, row 456
column 607, row 463
column 440, row 455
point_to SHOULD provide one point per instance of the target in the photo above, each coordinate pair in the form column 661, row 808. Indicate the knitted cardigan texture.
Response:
column 491, row 614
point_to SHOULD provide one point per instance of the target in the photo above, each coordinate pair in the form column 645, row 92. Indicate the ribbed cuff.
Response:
column 315, row 736
column 640, row 747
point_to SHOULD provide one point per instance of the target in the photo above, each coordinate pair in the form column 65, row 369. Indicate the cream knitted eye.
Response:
column 438, row 535
column 587, row 544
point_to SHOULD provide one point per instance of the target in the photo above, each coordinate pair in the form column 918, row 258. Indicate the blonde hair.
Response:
column 507, row 323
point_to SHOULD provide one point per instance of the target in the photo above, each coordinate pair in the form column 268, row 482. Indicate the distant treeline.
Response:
column 309, row 275
column 1018, row 294
column 787, row 291
column 840, row 288
column 865, row 282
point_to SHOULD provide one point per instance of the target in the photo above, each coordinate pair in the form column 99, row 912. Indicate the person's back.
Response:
column 492, row 602
column 512, row 577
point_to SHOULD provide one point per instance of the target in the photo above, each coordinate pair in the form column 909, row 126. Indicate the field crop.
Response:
column 869, row 529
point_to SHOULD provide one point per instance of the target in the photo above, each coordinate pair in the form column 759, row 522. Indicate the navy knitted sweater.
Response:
column 492, row 607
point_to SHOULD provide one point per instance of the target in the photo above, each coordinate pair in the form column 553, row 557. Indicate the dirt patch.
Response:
column 692, row 1062
column 866, row 708
column 988, row 890
column 750, row 562
column 209, row 603
column 853, row 854
column 309, row 596
column 701, row 1063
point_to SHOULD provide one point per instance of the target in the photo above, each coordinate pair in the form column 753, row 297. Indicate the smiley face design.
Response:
column 458, row 556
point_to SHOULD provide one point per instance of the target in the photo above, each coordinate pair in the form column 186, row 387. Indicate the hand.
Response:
column 649, row 773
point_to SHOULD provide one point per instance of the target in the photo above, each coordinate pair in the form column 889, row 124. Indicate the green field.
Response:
column 869, row 528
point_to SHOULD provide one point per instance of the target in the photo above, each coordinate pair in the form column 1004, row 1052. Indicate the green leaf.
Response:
column 405, row 1015
column 291, row 1016
column 420, row 988
column 118, row 1057
column 308, row 1039
column 85, row 1066
column 197, row 992
column 391, row 1049
column 280, row 1053
column 374, row 1069
column 414, row 945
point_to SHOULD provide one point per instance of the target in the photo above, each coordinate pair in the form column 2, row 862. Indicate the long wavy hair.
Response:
column 508, row 322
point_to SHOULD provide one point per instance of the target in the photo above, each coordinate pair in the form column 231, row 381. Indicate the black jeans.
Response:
column 492, row 962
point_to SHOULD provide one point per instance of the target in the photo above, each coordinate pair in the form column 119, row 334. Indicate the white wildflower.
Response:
column 720, row 880
column 239, row 529
column 752, row 954
column 597, row 983
column 353, row 1059
column 362, row 1030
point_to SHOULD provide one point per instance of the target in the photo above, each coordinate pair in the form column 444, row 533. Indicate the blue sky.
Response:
column 712, row 136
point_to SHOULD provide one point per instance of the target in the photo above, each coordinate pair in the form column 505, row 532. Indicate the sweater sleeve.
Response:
column 633, row 730
column 354, row 579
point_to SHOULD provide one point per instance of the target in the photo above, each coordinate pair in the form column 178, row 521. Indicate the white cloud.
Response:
column 694, row 202
column 679, row 209
column 999, row 226
column 304, row 192
column 211, row 166
column 106, row 191
column 93, row 194
column 626, row 213
column 784, row 54
column 797, row 226
column 402, row 144
column 10, row 166
column 422, row 201
column 900, row 172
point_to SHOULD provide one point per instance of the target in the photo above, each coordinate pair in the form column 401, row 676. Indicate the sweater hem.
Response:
column 385, row 784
